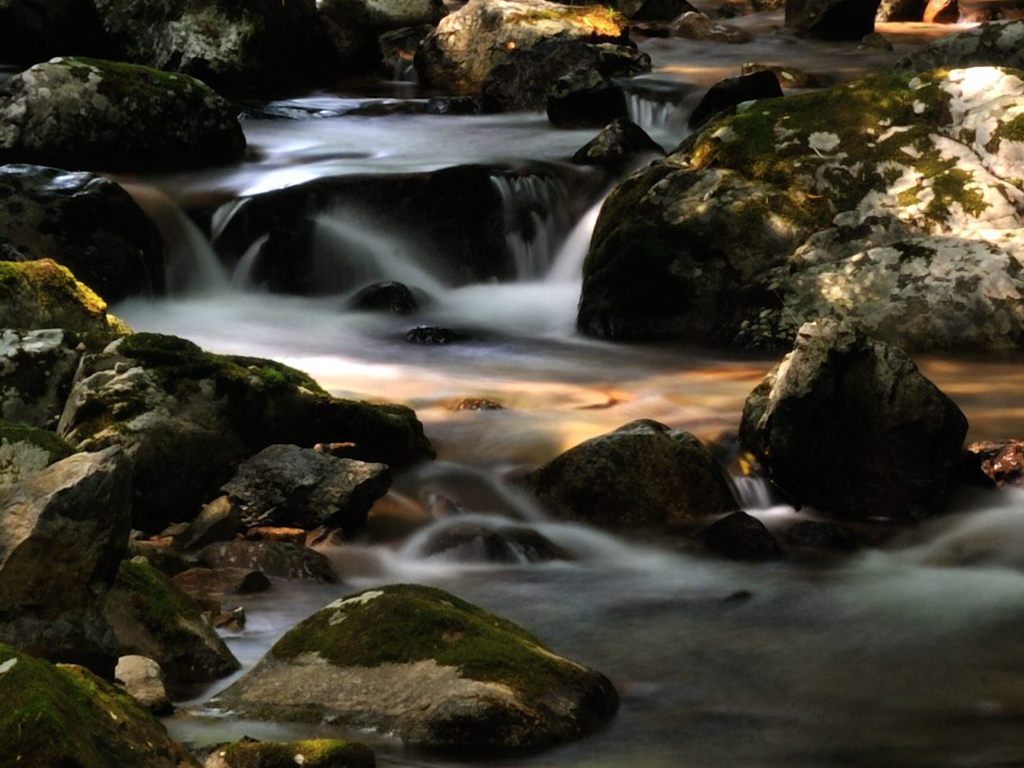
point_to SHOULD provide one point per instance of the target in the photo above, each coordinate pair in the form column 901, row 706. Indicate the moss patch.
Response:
column 41, row 438
column 159, row 604
column 313, row 753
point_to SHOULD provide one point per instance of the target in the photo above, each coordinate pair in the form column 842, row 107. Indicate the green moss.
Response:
column 410, row 623
column 316, row 753
column 41, row 438
column 1012, row 130
column 134, row 81
column 159, row 604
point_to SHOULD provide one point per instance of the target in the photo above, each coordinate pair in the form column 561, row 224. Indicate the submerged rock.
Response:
column 434, row 670
column 739, row 536
column 474, row 542
column 315, row 753
column 994, row 44
column 391, row 297
column 832, row 19
column 89, row 113
column 620, row 144
column 850, row 426
column 728, row 93
column 273, row 558
column 432, row 335
column 36, row 370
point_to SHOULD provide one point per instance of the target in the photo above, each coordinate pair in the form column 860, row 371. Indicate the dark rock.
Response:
column 432, row 335
column 36, row 369
column 851, row 427
column 876, row 41
column 160, row 554
column 220, row 520
column 274, row 558
column 208, row 584
column 695, row 25
column 788, row 77
column 820, row 535
column 476, row 404
column 654, row 10
column 32, row 31
column 620, row 144
column 477, row 542
column 740, row 536
column 832, row 19
column 455, row 105
column 391, row 297
column 585, row 99
column 398, row 48
column 355, row 26
column 726, row 94
column 994, row 463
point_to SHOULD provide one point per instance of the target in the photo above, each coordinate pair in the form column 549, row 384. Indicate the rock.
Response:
column 436, row 671
column 78, row 508
column 832, row 19
column 274, row 558
column 114, row 116
column 900, row 10
column 220, row 520
column 728, row 93
column 396, row 517
column 788, row 77
column 432, row 335
column 876, row 41
column 820, row 535
column 455, row 105
column 398, row 48
column 187, row 417
column 994, row 44
column 154, row 618
column 471, row 542
column 739, row 536
column 289, row 535
column 160, row 554
column 641, row 476
column 36, row 369
column 25, row 450
column 354, row 26
column 143, row 680
column 43, row 294
column 284, row 485
column 585, row 99
column 665, row 259
column 231, row 621
column 259, row 46
column 849, row 426
column 318, row 753
column 32, row 31
column 620, row 144
column 86, row 222
column 482, row 34
column 522, row 82
column 695, row 25
column 207, row 585
column 476, row 404
column 995, row 463
column 66, row 716
column 391, row 297
column 978, row 11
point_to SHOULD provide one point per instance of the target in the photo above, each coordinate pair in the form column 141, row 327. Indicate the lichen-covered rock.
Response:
column 428, row 667
column 152, row 617
column 274, row 558
column 86, row 222
column 832, row 19
column 90, row 113
column 25, row 449
column 641, row 476
column 143, row 680
column 36, row 369
column 941, row 159
column 32, row 31
column 620, row 144
column 482, row 34
column 256, row 46
column 993, row 44
column 354, row 26
column 187, row 417
column 63, row 531
column 850, row 426
column 57, row 716
column 316, row 753
column 284, row 485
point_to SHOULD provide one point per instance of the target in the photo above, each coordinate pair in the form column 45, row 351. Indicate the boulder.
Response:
column 86, row 222
column 391, row 297
column 25, row 450
column 104, row 115
column 993, row 44
column 739, row 536
column 208, row 585
column 432, row 336
column 36, row 370
column 994, row 463
column 643, row 475
column 152, row 617
column 482, row 34
column 436, row 671
column 273, row 558
column 32, row 31
column 315, row 753
column 355, row 26
column 78, row 508
column 728, row 93
column 187, row 417
column 478, row 542
column 850, row 426
column 259, row 46
column 832, row 19
column 620, row 144
column 65, row 716
column 220, row 520
column 143, row 680
column 695, row 25
column 585, row 99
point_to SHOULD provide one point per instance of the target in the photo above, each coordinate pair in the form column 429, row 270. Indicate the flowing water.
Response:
column 909, row 655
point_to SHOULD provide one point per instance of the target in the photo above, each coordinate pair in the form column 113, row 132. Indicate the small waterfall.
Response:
column 659, row 108
column 223, row 216
column 568, row 264
column 536, row 219
column 241, row 278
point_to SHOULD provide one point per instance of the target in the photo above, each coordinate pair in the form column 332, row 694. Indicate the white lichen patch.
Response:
column 822, row 141
column 19, row 460
column 361, row 599
column 7, row 666
column 725, row 134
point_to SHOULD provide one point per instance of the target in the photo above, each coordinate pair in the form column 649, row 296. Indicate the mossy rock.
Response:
column 62, row 716
column 25, row 449
column 36, row 371
column 435, row 670
column 313, row 753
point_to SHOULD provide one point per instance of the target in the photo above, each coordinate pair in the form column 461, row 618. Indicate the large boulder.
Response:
column 63, row 531
column 36, row 370
column 32, row 31
column 90, row 113
column 256, row 46
column 434, row 670
column 354, row 26
column 796, row 191
column 25, row 450
column 850, row 426
column 56, row 716
column 86, row 222
column 482, row 34
column 642, row 476
column 994, row 44
column 314, row 753
column 187, row 418
column 832, row 19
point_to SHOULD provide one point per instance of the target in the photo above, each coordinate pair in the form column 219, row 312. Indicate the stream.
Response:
column 904, row 656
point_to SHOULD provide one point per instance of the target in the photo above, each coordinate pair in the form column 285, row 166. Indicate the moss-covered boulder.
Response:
column 187, row 418
column 36, row 370
column 482, row 34
column 698, row 246
column 428, row 667
column 86, row 222
column 25, row 449
column 993, row 44
column 152, row 617
column 90, row 113
column 62, row 716
column 314, row 753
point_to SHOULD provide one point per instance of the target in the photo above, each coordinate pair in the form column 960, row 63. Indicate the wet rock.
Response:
column 620, row 144
column 585, row 99
column 36, row 369
column 209, row 585
column 476, row 404
column 354, row 26
column 455, row 105
column 33, row 31
column 994, row 44
column 820, row 535
column 994, row 463
column 695, row 25
column 398, row 48
column 432, row 335
column 391, row 297
column 86, row 222
column 232, row 620
column 468, row 542
column 220, row 520
column 788, row 77
column 832, row 19
column 482, row 34
column 317, row 753
column 187, row 417
column 849, row 426
column 876, row 41
column 89, row 113
column 436, row 671
column 265, row 533
column 143, row 680
column 739, row 536
column 900, row 10
column 273, row 558
column 395, row 517
column 64, row 715
column 25, row 450
column 641, row 476
column 728, row 93
column 154, row 618
column 78, row 508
